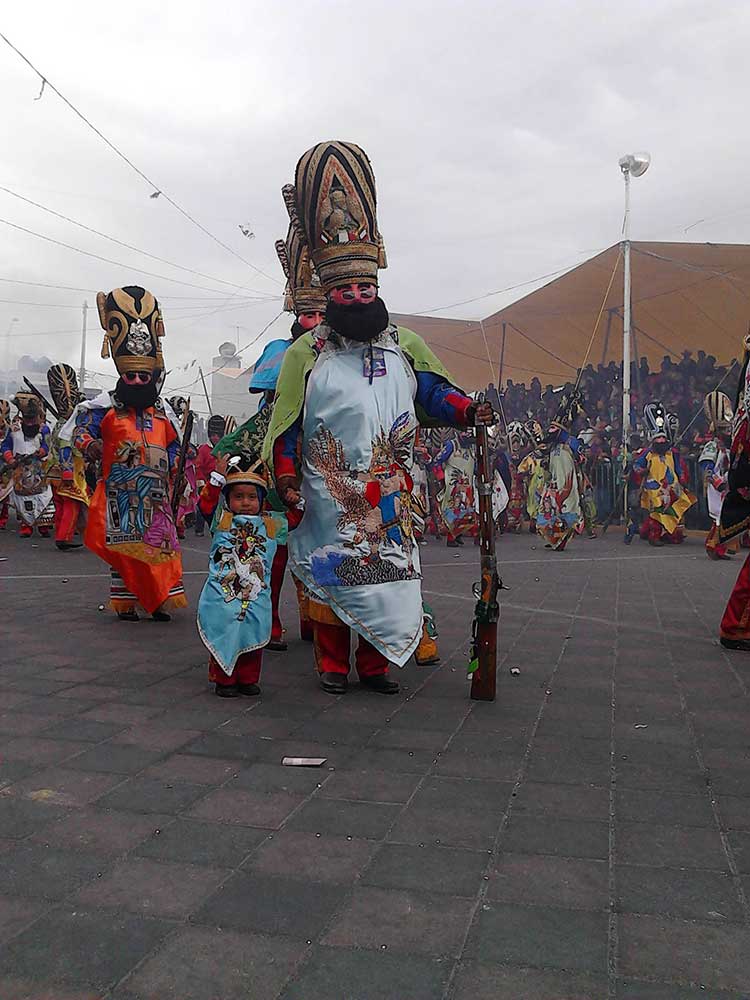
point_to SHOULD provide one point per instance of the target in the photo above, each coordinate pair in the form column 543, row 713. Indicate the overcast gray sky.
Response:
column 494, row 129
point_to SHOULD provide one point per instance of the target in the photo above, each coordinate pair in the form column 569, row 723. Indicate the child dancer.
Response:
column 234, row 610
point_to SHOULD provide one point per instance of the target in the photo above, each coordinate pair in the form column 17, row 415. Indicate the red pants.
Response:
column 278, row 569
column 736, row 621
column 332, row 652
column 27, row 530
column 246, row 670
column 652, row 531
column 67, row 512
column 4, row 511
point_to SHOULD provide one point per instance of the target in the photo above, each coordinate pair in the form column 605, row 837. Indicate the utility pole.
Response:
column 82, row 373
column 6, row 359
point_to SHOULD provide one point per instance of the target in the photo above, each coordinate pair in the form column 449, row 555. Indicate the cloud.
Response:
column 494, row 130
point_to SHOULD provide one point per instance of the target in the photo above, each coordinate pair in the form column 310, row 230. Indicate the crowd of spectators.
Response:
column 681, row 386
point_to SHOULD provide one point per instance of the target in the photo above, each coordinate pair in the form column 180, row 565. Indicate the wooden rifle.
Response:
column 181, row 459
column 483, row 665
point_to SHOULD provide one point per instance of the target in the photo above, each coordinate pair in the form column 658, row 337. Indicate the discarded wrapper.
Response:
column 303, row 761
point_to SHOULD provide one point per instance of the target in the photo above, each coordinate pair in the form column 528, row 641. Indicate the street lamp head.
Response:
column 635, row 164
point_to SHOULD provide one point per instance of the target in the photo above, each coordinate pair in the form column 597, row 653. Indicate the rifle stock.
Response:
column 487, row 610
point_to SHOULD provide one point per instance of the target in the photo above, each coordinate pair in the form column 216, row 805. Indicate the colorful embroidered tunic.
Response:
column 662, row 492
column 457, row 504
column 32, row 496
column 355, row 547
column 714, row 461
column 130, row 522
column 560, row 506
column 65, row 468
column 234, row 610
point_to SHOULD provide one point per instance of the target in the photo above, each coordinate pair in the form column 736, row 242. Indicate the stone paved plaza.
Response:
column 585, row 837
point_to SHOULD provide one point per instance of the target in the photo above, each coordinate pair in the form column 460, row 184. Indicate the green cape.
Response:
column 298, row 363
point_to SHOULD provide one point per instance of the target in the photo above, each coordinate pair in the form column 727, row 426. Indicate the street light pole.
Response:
column 82, row 372
column 626, row 335
column 6, row 358
column 631, row 165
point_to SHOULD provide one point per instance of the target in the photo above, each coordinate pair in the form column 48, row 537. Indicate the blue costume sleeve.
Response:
column 173, row 451
column 44, row 446
column 7, row 444
column 440, row 400
column 88, row 428
column 285, row 450
column 572, row 442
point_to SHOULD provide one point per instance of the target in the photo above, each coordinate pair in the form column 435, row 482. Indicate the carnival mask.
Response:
column 358, row 292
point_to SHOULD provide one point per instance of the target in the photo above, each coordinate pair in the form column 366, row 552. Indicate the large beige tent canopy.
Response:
column 685, row 296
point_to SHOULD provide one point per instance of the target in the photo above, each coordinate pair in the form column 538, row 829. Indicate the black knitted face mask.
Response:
column 139, row 397
column 358, row 321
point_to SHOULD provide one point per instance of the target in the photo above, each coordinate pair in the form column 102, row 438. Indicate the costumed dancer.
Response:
column 734, row 630
column 457, row 503
column 24, row 450
column 189, row 492
column 586, row 493
column 516, row 489
column 532, row 470
column 65, row 467
column 304, row 297
column 343, row 427
column 131, row 525
column 6, row 468
column 421, row 487
column 205, row 463
column 663, row 477
column 714, row 461
column 559, row 511
column 501, row 481
column 632, row 479
column 234, row 610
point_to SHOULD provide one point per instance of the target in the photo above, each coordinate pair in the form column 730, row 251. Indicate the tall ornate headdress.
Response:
column 718, row 410
column 241, row 470
column 571, row 404
column 534, row 433
column 29, row 406
column 63, row 387
column 303, row 292
column 655, row 419
column 333, row 202
column 133, row 328
column 516, row 436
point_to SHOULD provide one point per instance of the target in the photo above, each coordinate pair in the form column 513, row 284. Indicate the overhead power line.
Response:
column 128, row 246
column 498, row 291
column 92, row 291
column 108, row 260
column 156, row 189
